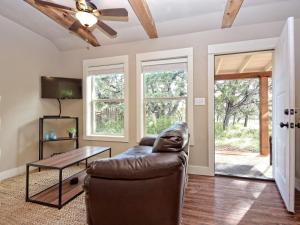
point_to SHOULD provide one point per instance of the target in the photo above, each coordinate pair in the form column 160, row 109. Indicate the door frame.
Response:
column 219, row 49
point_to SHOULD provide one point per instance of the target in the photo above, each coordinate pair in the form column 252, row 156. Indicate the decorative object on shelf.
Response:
column 42, row 135
column 71, row 132
column 74, row 181
column 52, row 135
column 46, row 136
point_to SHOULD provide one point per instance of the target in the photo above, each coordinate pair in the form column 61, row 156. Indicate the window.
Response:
column 106, row 101
column 165, row 90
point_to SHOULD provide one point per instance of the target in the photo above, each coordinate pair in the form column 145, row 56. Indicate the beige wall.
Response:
column 24, row 57
column 72, row 66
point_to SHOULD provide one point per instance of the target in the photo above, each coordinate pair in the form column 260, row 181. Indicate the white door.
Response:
column 283, row 115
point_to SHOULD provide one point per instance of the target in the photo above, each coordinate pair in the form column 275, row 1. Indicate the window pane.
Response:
column 168, row 83
column 108, row 86
column 109, row 118
column 160, row 114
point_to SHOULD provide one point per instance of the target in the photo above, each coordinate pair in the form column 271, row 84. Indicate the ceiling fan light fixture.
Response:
column 86, row 19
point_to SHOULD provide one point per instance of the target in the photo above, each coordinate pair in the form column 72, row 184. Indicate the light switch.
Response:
column 199, row 101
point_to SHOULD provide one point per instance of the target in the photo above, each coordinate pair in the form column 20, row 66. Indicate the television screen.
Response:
column 61, row 88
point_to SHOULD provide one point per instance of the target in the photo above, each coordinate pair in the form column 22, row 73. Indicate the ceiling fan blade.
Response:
column 120, row 14
column 107, row 29
column 54, row 5
column 75, row 26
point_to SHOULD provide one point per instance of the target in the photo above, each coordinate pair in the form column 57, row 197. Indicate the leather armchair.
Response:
column 142, row 186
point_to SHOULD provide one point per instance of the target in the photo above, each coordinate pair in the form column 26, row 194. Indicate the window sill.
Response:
column 106, row 138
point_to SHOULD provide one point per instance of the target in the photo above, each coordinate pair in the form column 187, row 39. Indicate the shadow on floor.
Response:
column 239, row 171
column 240, row 164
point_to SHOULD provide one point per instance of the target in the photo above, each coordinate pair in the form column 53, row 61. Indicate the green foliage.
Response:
column 108, row 106
column 236, row 98
column 110, row 117
column 157, row 123
column 165, row 84
column 71, row 130
column 157, row 126
column 114, row 127
column 238, row 137
column 165, row 94
column 237, row 114
column 109, row 86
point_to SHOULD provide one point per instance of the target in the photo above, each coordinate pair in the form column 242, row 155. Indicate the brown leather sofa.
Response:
column 142, row 186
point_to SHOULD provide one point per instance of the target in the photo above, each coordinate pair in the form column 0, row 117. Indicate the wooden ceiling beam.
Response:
column 65, row 20
column 231, row 10
column 245, row 63
column 219, row 65
column 240, row 76
column 142, row 11
column 268, row 67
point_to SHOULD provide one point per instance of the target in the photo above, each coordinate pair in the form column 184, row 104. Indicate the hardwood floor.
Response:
column 230, row 201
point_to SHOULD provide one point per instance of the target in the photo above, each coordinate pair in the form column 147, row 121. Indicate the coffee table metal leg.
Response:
column 27, row 183
column 60, row 189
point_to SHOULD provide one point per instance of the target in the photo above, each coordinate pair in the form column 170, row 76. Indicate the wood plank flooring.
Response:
column 230, row 201
column 50, row 195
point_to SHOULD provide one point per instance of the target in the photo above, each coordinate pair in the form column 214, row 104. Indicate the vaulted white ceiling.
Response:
column 172, row 17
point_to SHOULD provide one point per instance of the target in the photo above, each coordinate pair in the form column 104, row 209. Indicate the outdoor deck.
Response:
column 243, row 164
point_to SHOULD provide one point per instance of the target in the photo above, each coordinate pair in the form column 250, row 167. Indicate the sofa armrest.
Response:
column 139, row 167
column 147, row 141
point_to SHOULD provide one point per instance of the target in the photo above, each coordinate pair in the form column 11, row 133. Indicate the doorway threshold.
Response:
column 218, row 174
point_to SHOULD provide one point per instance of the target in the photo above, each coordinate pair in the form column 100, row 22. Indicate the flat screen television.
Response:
column 61, row 88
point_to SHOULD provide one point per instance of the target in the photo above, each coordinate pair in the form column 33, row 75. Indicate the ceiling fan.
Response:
column 88, row 15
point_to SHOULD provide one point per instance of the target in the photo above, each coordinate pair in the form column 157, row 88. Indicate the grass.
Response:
column 238, row 137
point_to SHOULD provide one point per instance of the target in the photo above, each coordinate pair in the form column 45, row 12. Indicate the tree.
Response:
column 234, row 97
column 165, row 95
column 109, row 103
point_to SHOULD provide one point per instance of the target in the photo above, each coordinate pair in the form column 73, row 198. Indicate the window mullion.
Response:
column 164, row 98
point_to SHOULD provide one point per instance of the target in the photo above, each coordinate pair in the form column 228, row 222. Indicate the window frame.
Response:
column 92, row 64
column 157, row 56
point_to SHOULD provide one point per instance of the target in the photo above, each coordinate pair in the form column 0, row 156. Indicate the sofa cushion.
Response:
column 138, row 163
column 173, row 139
column 147, row 141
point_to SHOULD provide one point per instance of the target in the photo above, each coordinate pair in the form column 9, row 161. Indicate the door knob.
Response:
column 284, row 125
column 286, row 111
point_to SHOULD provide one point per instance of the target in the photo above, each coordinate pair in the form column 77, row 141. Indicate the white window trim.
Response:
column 87, row 64
column 163, row 55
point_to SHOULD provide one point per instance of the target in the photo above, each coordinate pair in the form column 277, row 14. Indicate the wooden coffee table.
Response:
column 63, row 192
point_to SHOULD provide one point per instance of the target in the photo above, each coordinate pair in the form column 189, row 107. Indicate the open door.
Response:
column 284, row 115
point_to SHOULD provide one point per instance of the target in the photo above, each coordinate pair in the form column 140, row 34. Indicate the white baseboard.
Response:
column 197, row 170
column 12, row 172
column 200, row 170
column 297, row 183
